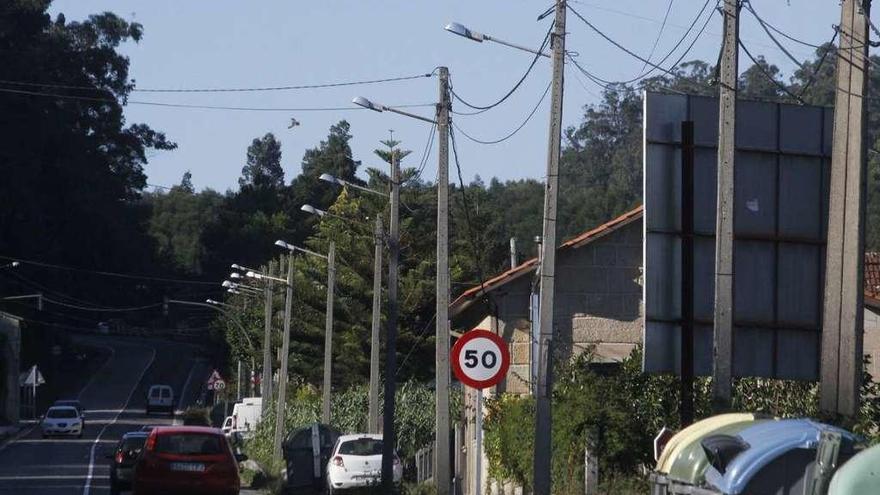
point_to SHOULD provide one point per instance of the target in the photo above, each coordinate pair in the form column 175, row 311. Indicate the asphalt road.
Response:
column 114, row 402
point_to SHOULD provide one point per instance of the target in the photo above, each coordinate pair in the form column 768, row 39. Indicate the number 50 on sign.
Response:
column 480, row 359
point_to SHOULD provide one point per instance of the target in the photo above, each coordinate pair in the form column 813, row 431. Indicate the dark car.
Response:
column 74, row 404
column 123, row 459
column 188, row 460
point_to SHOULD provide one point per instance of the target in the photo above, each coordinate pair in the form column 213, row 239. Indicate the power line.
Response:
column 819, row 65
column 791, row 57
column 660, row 32
column 604, row 83
column 102, row 310
column 767, row 25
column 770, row 76
column 513, row 132
column 108, row 274
column 515, row 86
column 45, row 289
column 224, row 90
column 416, row 344
column 198, row 107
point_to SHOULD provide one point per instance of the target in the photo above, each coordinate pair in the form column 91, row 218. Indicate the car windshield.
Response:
column 62, row 413
column 189, row 444
column 361, row 446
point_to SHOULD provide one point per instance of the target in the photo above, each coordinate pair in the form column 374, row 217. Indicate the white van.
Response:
column 160, row 398
column 246, row 415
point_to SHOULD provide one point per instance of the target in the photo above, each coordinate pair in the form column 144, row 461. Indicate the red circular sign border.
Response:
column 467, row 337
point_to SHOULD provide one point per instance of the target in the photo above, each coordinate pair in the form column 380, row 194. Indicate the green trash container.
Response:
column 861, row 474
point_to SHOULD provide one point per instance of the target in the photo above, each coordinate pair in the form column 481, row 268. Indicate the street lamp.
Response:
column 342, row 182
column 14, row 264
column 266, row 382
column 541, row 460
column 442, row 472
column 328, row 329
column 379, row 235
column 460, row 30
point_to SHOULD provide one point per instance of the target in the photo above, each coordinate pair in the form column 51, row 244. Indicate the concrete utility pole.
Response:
column 723, row 319
column 389, row 438
column 373, row 420
column 266, row 379
column 543, row 411
column 282, row 370
column 513, row 262
column 328, row 334
column 442, row 472
column 843, row 315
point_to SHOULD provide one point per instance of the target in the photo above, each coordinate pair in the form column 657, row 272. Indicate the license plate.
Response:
column 190, row 467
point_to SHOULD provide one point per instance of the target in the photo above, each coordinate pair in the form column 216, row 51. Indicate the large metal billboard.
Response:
column 783, row 156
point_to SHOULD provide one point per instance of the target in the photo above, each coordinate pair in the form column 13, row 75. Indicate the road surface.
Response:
column 114, row 402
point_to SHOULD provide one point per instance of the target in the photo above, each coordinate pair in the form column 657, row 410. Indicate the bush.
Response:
column 196, row 416
column 619, row 412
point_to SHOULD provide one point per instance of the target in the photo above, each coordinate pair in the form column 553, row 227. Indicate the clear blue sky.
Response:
column 230, row 43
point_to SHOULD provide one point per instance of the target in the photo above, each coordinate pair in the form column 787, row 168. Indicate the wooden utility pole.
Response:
column 842, row 327
column 328, row 335
column 723, row 320
column 442, row 471
column 373, row 415
column 543, row 452
column 266, row 380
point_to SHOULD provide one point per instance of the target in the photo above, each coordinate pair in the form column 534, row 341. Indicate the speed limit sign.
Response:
column 480, row 359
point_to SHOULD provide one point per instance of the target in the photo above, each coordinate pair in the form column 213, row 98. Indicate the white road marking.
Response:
column 88, row 485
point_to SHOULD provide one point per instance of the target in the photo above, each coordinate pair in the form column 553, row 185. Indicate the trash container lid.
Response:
column 690, row 464
column 767, row 441
column 692, row 434
column 861, row 474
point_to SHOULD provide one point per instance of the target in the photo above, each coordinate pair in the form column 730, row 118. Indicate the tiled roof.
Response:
column 493, row 283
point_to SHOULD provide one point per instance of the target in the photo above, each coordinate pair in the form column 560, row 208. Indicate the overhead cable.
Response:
column 660, row 32
column 223, row 90
column 511, row 133
column 108, row 274
column 770, row 76
column 515, row 86
column 198, row 107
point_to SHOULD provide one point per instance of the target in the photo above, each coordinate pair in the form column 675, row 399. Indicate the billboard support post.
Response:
column 687, row 273
column 843, row 313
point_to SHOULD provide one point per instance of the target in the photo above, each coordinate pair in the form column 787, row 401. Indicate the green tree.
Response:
column 263, row 169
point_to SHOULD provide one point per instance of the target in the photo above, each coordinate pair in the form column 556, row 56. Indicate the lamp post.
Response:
column 378, row 235
column 266, row 379
column 442, row 472
column 543, row 410
column 328, row 329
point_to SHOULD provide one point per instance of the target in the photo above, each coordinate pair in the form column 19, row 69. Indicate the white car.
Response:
column 160, row 398
column 62, row 420
column 356, row 461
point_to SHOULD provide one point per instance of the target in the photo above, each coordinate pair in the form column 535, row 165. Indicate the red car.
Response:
column 187, row 459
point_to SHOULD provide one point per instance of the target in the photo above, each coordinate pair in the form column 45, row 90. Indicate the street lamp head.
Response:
column 211, row 301
column 227, row 284
column 15, row 264
column 329, row 178
column 236, row 266
column 311, row 209
column 234, row 275
column 363, row 102
column 456, row 28
column 233, row 291
column 255, row 275
column 284, row 245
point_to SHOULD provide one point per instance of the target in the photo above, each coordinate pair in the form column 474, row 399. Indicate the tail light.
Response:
column 337, row 461
column 120, row 457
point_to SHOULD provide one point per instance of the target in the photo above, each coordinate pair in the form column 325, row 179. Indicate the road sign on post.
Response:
column 480, row 359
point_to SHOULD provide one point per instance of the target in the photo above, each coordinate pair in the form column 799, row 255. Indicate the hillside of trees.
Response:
column 73, row 194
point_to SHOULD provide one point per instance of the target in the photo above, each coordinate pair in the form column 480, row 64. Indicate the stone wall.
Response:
column 9, row 364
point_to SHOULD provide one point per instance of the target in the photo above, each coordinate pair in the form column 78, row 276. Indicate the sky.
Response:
column 235, row 44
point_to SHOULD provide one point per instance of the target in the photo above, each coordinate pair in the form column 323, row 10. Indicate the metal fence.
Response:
column 425, row 464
